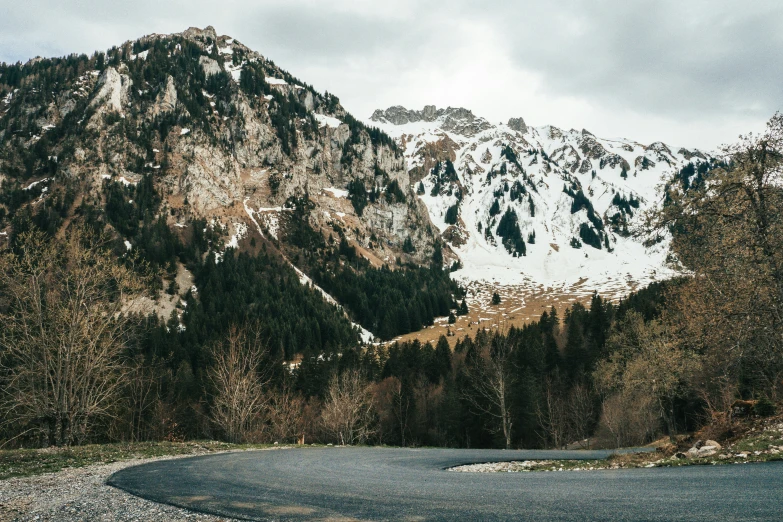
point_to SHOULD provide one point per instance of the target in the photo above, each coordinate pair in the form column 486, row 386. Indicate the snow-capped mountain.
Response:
column 537, row 205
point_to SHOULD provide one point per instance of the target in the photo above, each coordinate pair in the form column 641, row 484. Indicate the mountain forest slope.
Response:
column 196, row 244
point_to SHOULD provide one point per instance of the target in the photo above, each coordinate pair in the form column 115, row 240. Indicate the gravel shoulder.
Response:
column 82, row 494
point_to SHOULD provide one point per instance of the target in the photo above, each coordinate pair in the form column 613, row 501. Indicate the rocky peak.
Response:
column 397, row 115
column 517, row 124
column 195, row 33
column 458, row 120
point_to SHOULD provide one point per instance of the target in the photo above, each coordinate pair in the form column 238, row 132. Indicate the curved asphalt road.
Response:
column 412, row 484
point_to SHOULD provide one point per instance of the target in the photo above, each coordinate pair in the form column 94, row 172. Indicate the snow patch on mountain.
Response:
column 575, row 199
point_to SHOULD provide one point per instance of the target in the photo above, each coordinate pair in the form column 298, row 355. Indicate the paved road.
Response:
column 412, row 484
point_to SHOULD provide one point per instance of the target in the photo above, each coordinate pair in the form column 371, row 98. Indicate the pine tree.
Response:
column 463, row 308
column 358, row 195
column 407, row 246
column 494, row 210
column 420, row 189
column 451, row 214
column 495, row 298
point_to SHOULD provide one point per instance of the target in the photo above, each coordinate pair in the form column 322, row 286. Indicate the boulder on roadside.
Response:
column 713, row 444
column 703, row 449
column 706, row 451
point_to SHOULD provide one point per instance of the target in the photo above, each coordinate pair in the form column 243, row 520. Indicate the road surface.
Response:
column 412, row 484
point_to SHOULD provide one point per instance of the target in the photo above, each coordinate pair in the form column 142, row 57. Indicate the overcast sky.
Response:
column 687, row 72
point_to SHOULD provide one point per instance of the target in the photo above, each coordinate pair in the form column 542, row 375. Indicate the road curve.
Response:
column 413, row 484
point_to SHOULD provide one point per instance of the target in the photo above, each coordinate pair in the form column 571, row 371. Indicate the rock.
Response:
column 706, row 451
column 209, row 65
column 455, row 119
column 486, row 157
column 203, row 34
column 688, row 154
column 517, row 124
column 712, row 443
column 113, row 90
column 166, row 100
column 429, row 113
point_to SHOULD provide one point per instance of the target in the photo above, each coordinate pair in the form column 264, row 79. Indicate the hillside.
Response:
column 543, row 215
column 181, row 146
column 578, row 198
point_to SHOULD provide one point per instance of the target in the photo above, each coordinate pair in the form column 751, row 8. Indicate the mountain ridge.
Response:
column 192, row 142
column 588, row 192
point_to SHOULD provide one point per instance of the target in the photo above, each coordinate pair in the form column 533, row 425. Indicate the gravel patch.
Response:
column 495, row 467
column 82, row 494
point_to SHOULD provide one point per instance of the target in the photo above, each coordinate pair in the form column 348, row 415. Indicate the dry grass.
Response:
column 519, row 305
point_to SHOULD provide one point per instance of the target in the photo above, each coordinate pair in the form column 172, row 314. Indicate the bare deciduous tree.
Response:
column 394, row 407
column 581, row 413
column 64, row 333
column 630, row 417
column 645, row 362
column 348, row 413
column 239, row 380
column 491, row 374
column 727, row 232
column 143, row 393
column 286, row 415
column 552, row 412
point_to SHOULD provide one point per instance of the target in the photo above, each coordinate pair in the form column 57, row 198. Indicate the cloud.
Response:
column 693, row 73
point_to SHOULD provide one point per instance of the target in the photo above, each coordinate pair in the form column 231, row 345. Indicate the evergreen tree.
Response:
column 494, row 210
column 451, row 214
column 357, row 193
column 407, row 246
column 508, row 229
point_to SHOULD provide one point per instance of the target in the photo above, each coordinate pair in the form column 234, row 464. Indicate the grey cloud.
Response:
column 670, row 58
column 694, row 61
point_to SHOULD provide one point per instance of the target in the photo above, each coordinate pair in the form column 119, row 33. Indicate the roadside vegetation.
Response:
column 26, row 462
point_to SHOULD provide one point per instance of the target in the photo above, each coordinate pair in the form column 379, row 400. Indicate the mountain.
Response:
column 539, row 207
column 184, row 145
column 191, row 150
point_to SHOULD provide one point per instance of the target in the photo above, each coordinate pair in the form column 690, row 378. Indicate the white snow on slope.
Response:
column 327, row 121
column 550, row 158
column 34, row 183
column 338, row 193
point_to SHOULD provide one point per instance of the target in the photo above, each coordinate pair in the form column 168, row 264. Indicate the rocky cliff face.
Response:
column 224, row 133
column 538, row 205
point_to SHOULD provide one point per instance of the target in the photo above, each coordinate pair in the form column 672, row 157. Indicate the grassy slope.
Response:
column 24, row 462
